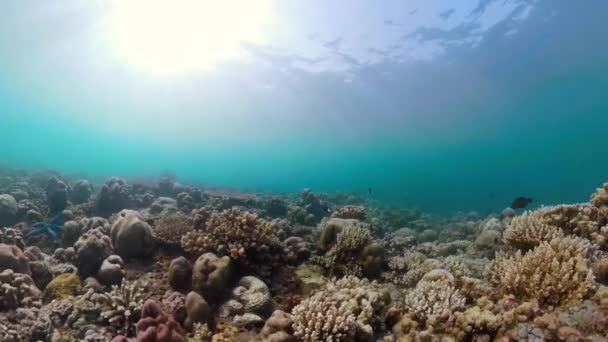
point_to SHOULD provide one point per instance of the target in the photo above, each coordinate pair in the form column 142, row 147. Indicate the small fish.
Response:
column 521, row 202
column 369, row 191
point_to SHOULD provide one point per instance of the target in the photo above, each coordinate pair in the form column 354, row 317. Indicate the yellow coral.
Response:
column 63, row 286
column 529, row 230
column 555, row 272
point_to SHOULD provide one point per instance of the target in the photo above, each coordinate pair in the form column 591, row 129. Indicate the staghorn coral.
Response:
column 122, row 306
column 169, row 229
column 433, row 299
column 356, row 212
column 529, row 230
column 554, row 273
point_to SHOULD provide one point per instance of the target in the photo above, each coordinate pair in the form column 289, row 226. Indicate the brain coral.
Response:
column 554, row 272
column 529, row 230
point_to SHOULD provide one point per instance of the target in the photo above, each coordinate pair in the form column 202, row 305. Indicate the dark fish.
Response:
column 520, row 202
column 369, row 191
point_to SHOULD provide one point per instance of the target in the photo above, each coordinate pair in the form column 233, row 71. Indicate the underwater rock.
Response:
column 250, row 296
column 278, row 328
column 296, row 250
column 162, row 206
column 211, row 275
column 20, row 195
column 11, row 257
column 41, row 273
column 114, row 196
column 309, row 278
column 56, row 195
column 92, row 248
column 275, row 207
column 131, row 235
column 313, row 205
column 81, row 192
column 8, row 210
column 71, row 233
column 111, row 271
column 101, row 223
column 197, row 308
column 34, row 216
column 180, row 274
column 62, row 287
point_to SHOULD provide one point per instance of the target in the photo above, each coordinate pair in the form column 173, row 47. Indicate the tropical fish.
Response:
column 369, row 191
column 520, row 202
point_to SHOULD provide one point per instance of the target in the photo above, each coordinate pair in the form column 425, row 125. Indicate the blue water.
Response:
column 515, row 116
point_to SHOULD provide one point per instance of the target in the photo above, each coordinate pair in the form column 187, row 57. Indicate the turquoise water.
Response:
column 532, row 125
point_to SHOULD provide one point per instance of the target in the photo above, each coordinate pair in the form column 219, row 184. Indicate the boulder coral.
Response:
column 56, row 195
column 180, row 274
column 131, row 235
column 113, row 196
column 211, row 274
column 61, row 287
column 554, row 273
column 8, row 210
column 11, row 257
column 278, row 328
column 92, row 248
column 81, row 191
column 197, row 309
column 111, row 271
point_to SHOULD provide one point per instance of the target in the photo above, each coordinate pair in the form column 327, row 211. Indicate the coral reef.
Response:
column 193, row 265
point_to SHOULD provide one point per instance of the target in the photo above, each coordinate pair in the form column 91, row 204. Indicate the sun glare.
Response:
column 172, row 36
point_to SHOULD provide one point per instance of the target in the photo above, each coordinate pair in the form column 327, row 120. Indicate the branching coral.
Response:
column 321, row 318
column 247, row 239
column 433, row 299
column 582, row 220
column 599, row 199
column 123, row 305
column 201, row 215
column 529, row 230
column 348, row 303
column 554, row 273
column 170, row 228
column 356, row 212
column 17, row 290
column 342, row 256
column 232, row 233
